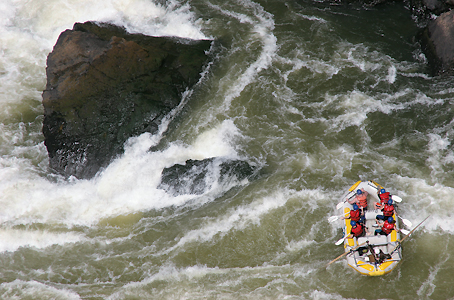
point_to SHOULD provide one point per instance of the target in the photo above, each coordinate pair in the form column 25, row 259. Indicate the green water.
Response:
column 318, row 96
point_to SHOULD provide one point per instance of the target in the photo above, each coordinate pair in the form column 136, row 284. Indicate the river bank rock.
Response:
column 105, row 85
column 198, row 176
column 438, row 44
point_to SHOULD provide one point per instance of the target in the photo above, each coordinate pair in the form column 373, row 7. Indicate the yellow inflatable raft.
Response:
column 371, row 255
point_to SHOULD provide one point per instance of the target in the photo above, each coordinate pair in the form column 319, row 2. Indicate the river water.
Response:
column 316, row 95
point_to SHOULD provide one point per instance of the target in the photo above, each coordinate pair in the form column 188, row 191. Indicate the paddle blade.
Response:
column 407, row 223
column 339, row 241
column 339, row 205
column 333, row 218
column 406, row 232
column 396, row 198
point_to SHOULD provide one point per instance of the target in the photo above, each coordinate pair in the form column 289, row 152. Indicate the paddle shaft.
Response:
column 345, row 253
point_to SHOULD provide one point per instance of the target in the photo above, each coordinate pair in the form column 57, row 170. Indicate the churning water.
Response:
column 316, row 95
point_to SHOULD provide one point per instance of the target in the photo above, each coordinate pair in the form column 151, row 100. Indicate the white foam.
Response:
column 19, row 289
column 294, row 246
column 262, row 31
column 12, row 239
column 236, row 219
column 355, row 107
column 312, row 18
column 49, row 18
column 392, row 72
column 217, row 141
column 421, row 199
column 127, row 185
column 440, row 157
column 29, row 30
column 241, row 217
column 428, row 287
column 228, row 278
column 322, row 295
column 168, row 273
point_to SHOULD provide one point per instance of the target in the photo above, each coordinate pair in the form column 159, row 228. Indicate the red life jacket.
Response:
column 384, row 197
column 387, row 227
column 357, row 231
column 388, row 210
column 362, row 200
column 355, row 215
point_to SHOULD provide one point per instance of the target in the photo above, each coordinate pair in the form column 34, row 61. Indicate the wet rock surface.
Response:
column 438, row 44
column 198, row 176
column 105, row 85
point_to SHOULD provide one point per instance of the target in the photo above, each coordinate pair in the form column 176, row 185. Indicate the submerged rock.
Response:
column 198, row 176
column 105, row 85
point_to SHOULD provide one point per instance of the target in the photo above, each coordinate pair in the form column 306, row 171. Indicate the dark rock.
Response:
column 438, row 44
column 105, row 85
column 198, row 176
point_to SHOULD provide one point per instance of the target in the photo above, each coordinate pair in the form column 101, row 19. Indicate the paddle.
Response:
column 340, row 241
column 334, row 218
column 406, row 222
column 396, row 198
column 340, row 204
column 406, row 232
column 345, row 253
column 407, row 235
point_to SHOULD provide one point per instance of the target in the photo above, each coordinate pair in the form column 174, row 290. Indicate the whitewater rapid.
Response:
column 294, row 91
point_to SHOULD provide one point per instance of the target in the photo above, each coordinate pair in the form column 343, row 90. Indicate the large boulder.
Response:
column 438, row 44
column 105, row 85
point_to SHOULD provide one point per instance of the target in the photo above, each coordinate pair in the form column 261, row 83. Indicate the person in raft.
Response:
column 384, row 197
column 381, row 256
column 386, row 227
column 360, row 199
column 356, row 215
column 357, row 230
column 388, row 211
